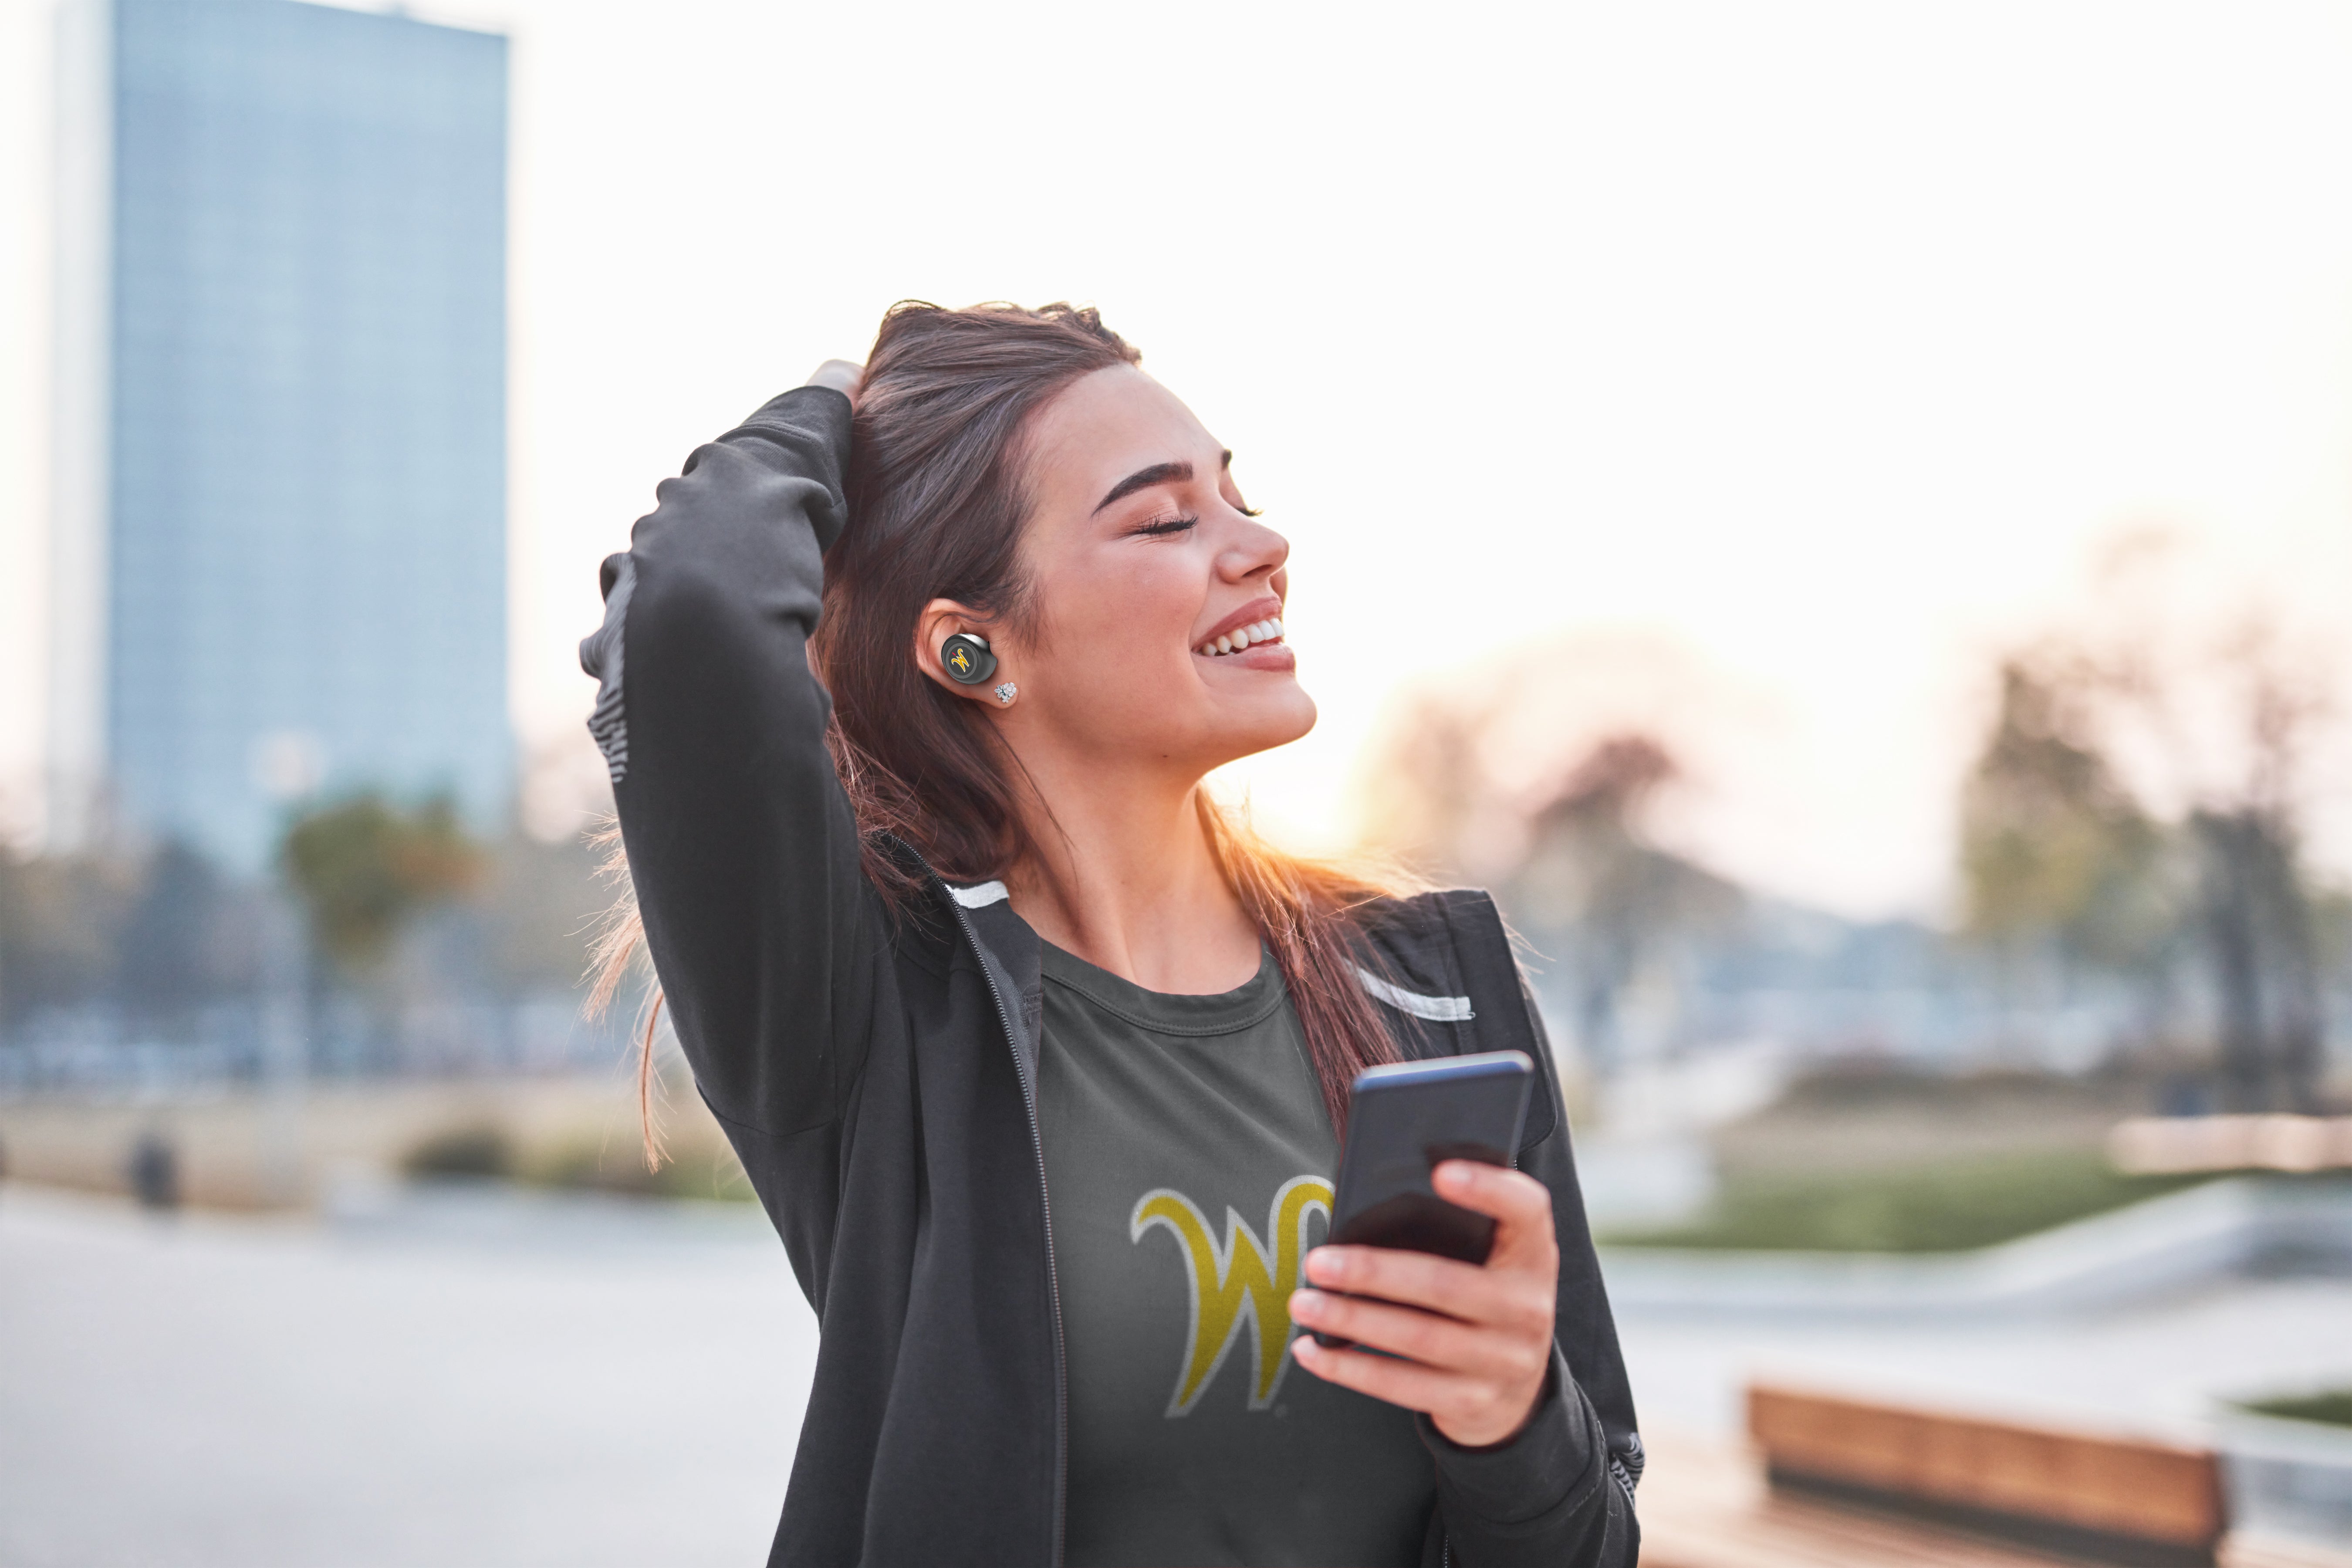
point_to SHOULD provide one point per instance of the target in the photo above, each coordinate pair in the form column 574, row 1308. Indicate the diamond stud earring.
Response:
column 1005, row 693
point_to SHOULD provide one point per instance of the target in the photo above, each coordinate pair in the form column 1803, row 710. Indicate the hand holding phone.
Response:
column 1402, row 1121
column 1463, row 1335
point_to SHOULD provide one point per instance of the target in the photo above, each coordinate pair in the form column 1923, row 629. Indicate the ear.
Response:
column 943, row 618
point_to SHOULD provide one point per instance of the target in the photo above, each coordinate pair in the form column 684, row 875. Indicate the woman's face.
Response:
column 1142, row 555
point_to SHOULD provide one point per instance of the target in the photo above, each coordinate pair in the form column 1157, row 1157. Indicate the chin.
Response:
column 1276, row 719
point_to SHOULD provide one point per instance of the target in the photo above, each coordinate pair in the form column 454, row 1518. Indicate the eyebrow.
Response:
column 1157, row 474
column 1144, row 479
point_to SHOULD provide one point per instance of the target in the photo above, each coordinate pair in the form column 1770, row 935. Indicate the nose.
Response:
column 1256, row 551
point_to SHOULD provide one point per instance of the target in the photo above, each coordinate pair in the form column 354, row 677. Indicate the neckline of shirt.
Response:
column 1166, row 1012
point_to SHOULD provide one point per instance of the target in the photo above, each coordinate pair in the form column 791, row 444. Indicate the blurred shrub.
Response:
column 1872, row 1084
column 1947, row 1207
column 2333, row 1409
column 596, row 1163
column 583, row 1159
column 480, row 1151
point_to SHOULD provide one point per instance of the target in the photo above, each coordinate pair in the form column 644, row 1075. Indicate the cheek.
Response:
column 1111, row 625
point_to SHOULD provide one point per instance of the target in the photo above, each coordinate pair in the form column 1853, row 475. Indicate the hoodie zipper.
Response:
column 1046, row 1205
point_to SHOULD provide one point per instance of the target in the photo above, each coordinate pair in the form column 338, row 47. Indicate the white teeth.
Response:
column 1268, row 630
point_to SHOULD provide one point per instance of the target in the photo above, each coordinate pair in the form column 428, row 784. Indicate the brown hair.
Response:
column 937, row 501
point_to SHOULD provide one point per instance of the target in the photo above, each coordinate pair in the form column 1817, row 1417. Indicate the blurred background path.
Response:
column 473, row 1381
column 466, row 1373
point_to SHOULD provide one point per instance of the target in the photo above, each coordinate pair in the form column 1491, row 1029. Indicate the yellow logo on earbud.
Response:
column 962, row 660
column 1236, row 1282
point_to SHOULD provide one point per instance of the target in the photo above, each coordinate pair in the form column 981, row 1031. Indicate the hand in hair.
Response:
column 1470, row 1347
column 845, row 376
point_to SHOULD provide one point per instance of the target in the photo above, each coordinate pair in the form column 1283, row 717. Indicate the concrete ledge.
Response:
column 2219, row 1229
column 2288, row 1479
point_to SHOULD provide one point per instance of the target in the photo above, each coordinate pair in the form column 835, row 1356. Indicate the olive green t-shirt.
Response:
column 1189, row 1164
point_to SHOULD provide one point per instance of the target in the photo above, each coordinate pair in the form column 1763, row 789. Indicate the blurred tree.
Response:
column 2058, row 848
column 1569, row 855
column 189, row 938
column 1428, row 786
column 425, row 927
column 59, row 918
column 2257, row 906
column 2052, row 845
column 1592, row 882
column 541, row 903
column 365, row 868
column 2256, row 920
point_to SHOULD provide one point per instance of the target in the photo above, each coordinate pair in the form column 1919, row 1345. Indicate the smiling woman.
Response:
column 908, row 689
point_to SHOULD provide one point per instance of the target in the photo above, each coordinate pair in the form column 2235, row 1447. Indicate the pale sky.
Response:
column 1818, row 346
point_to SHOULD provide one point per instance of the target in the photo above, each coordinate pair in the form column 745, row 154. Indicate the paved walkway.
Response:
column 251, row 1394
column 500, row 1381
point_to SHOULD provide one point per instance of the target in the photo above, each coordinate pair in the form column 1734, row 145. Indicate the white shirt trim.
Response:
column 1439, row 1009
column 980, row 897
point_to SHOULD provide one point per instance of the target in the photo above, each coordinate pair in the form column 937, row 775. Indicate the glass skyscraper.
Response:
column 281, row 533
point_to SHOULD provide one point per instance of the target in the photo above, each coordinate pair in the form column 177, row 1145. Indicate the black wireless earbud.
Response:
column 967, row 660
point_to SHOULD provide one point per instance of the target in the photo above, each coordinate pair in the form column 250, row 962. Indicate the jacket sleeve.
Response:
column 741, row 844
column 1554, row 1495
column 1559, row 1494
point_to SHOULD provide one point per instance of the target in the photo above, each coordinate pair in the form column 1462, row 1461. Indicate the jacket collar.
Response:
column 1013, row 956
column 1439, row 964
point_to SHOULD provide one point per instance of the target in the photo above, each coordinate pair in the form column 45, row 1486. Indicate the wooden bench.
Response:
column 2095, row 1499
column 1707, row 1504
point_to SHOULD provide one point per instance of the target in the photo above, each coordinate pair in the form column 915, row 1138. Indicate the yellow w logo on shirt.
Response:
column 1235, row 1283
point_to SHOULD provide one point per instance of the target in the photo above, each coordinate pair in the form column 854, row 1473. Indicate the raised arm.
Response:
column 741, row 844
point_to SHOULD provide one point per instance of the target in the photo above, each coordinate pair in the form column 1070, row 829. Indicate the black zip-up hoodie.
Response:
column 878, row 1074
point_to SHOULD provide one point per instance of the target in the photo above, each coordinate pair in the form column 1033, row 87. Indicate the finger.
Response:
column 843, row 375
column 1415, row 1278
column 1515, row 1292
column 1440, row 1343
column 1401, row 1383
column 1513, row 1197
column 1519, row 1205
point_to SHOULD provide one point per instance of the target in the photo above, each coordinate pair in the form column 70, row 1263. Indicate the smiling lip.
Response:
column 1257, row 623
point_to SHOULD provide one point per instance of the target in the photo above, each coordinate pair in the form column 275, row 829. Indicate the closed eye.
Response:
column 1162, row 527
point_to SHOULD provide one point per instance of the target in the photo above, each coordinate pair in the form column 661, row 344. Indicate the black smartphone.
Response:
column 1402, row 1121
